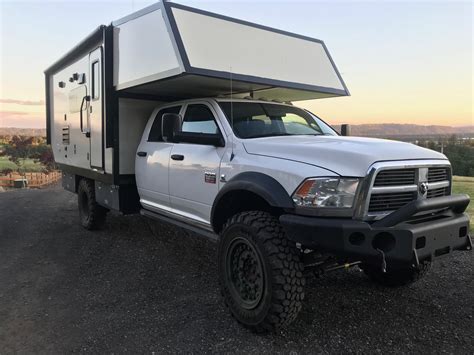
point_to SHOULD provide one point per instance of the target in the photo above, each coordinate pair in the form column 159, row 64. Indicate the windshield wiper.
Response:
column 269, row 135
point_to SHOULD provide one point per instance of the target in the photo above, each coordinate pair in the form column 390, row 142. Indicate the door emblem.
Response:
column 423, row 189
column 209, row 177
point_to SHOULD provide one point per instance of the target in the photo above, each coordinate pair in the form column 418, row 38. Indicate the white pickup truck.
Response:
column 280, row 186
column 279, row 189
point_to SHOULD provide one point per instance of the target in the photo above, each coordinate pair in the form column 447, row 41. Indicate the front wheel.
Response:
column 260, row 272
column 396, row 277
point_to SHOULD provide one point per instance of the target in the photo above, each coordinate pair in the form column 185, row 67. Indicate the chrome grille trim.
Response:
column 424, row 170
column 438, row 185
column 392, row 189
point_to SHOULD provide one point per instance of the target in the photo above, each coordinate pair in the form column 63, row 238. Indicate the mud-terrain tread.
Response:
column 396, row 278
column 287, row 279
column 97, row 213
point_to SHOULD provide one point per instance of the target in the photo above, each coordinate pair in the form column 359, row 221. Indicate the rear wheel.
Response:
column 396, row 277
column 260, row 272
column 91, row 214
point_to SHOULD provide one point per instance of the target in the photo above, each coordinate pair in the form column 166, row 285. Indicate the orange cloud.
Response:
column 21, row 119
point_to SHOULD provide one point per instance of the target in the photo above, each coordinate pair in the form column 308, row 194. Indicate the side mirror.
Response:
column 200, row 138
column 345, row 130
column 170, row 125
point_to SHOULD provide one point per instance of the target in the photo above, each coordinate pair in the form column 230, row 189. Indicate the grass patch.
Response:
column 463, row 178
column 7, row 164
column 30, row 165
column 465, row 185
column 27, row 165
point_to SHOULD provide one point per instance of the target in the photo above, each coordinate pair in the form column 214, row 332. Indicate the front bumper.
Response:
column 401, row 239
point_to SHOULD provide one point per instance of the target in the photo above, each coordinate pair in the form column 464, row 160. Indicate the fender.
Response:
column 260, row 184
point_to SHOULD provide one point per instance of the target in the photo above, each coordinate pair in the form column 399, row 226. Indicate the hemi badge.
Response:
column 210, row 178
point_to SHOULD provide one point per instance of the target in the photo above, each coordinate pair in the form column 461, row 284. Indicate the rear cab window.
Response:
column 155, row 134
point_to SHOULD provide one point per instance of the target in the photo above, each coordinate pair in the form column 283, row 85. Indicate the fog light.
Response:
column 356, row 238
column 384, row 241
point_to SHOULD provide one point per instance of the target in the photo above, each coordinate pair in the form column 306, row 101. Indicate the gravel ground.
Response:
column 141, row 286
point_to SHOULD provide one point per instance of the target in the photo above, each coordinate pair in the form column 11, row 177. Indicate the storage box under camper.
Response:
column 100, row 95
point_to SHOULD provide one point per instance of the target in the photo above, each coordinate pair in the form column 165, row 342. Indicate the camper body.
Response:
column 185, row 117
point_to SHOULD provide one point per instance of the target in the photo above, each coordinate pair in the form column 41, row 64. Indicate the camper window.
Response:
column 155, row 131
column 76, row 97
column 95, row 81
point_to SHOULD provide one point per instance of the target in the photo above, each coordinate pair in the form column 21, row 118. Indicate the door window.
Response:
column 199, row 119
column 95, row 81
column 76, row 99
column 155, row 131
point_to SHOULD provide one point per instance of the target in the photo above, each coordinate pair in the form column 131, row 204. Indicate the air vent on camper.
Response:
column 66, row 135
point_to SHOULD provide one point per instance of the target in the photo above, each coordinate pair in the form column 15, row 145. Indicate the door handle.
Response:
column 86, row 98
column 177, row 157
column 141, row 154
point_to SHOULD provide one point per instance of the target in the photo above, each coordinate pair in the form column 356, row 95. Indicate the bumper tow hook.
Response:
column 383, row 262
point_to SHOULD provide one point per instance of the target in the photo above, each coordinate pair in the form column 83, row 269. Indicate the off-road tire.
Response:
column 91, row 215
column 396, row 277
column 282, row 282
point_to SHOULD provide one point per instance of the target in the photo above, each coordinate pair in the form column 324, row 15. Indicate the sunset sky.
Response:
column 403, row 61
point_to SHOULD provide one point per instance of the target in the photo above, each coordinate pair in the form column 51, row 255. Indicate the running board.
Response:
column 193, row 228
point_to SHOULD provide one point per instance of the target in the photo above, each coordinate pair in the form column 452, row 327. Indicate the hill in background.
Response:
column 364, row 130
column 394, row 130
column 28, row 132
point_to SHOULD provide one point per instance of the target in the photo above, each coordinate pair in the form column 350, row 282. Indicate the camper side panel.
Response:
column 221, row 45
column 133, row 117
column 144, row 51
column 70, row 146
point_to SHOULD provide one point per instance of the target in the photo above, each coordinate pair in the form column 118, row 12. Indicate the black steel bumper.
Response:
column 402, row 238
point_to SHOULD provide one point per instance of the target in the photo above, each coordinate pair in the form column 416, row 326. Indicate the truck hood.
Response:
column 346, row 156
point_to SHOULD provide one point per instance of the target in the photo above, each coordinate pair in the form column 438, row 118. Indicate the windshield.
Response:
column 255, row 119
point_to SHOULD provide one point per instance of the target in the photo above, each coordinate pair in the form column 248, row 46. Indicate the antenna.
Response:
column 231, row 116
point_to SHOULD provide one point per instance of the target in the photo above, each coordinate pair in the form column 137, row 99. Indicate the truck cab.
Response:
column 207, row 149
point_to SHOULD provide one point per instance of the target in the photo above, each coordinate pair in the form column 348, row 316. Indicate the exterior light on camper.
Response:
column 326, row 192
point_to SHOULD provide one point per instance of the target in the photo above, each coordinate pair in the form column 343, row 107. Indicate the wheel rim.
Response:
column 245, row 273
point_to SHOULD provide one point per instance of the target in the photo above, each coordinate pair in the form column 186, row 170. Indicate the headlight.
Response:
column 326, row 192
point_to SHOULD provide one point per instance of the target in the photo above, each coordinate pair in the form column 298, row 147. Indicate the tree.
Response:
column 21, row 148
column 18, row 150
column 47, row 159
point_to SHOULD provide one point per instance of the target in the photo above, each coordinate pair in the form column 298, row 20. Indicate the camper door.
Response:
column 94, row 117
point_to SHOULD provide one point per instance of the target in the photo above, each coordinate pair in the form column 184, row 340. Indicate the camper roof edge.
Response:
column 94, row 37
column 167, row 5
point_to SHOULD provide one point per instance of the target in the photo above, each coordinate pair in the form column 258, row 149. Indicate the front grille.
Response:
column 437, row 174
column 439, row 192
column 390, row 201
column 394, row 188
column 395, row 177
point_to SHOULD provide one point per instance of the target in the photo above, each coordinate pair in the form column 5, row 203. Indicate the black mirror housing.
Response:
column 345, row 130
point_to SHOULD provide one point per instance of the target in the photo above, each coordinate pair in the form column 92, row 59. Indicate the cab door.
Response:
column 152, row 164
column 194, row 168
column 95, row 110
